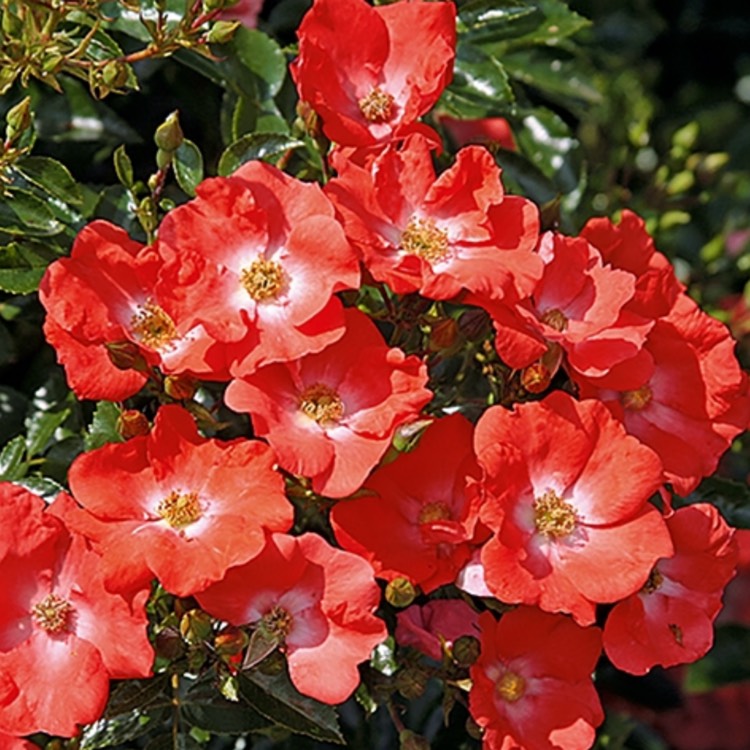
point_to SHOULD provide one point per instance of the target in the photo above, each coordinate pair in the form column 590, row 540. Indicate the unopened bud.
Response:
column 169, row 644
column 115, row 74
column 18, row 119
column 222, row 32
column 309, row 118
column 195, row 626
column 169, row 135
column 411, row 682
column 465, row 650
column 443, row 335
column 163, row 160
column 400, row 592
column 180, row 387
column 408, row 740
column 132, row 423
column 125, row 355
column 230, row 641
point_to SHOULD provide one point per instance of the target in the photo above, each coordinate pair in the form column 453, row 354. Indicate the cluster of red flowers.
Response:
column 548, row 505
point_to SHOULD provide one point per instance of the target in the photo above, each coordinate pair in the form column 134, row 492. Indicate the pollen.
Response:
column 263, row 279
column 153, row 327
column 555, row 318
column 655, row 580
column 377, row 106
column 553, row 516
column 278, row 622
column 434, row 512
column 421, row 237
column 322, row 404
column 53, row 614
column 511, row 687
column 637, row 400
column 180, row 509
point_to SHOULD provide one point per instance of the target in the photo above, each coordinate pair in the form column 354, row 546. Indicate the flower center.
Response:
column 553, row 517
column 556, row 319
column 655, row 580
column 638, row 399
column 377, row 106
column 262, row 279
column 421, row 237
column 278, row 622
column 511, row 687
column 153, row 327
column 53, row 613
column 180, row 509
column 322, row 404
column 434, row 512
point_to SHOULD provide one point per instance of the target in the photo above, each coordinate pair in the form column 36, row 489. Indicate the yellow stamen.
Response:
column 377, row 106
column 638, row 399
column 153, row 327
column 53, row 613
column 434, row 512
column 322, row 404
column 263, row 279
column 421, row 237
column 278, row 622
column 556, row 319
column 553, row 517
column 180, row 509
column 511, row 687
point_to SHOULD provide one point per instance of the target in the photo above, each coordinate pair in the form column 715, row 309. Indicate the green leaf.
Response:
column 491, row 20
column 553, row 73
column 41, row 427
column 138, row 694
column 480, row 86
column 546, row 140
column 731, row 499
column 188, row 166
column 255, row 146
column 23, row 213
column 12, row 464
column 23, row 263
column 52, row 177
column 728, row 661
column 558, row 22
column 263, row 56
column 277, row 699
column 122, row 729
column 103, row 427
column 204, row 707
column 45, row 487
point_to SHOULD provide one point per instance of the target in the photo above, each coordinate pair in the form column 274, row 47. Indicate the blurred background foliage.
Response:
column 642, row 104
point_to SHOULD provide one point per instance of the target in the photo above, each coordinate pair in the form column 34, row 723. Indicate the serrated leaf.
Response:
column 216, row 714
column 20, row 280
column 22, row 213
column 255, row 146
column 277, row 699
column 557, row 22
column 103, row 428
column 547, row 141
column 138, row 694
column 52, row 177
column 188, row 166
column 553, row 73
column 263, row 57
column 23, row 263
column 122, row 729
column 45, row 487
column 41, row 426
column 480, row 85
column 12, row 464
column 491, row 20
